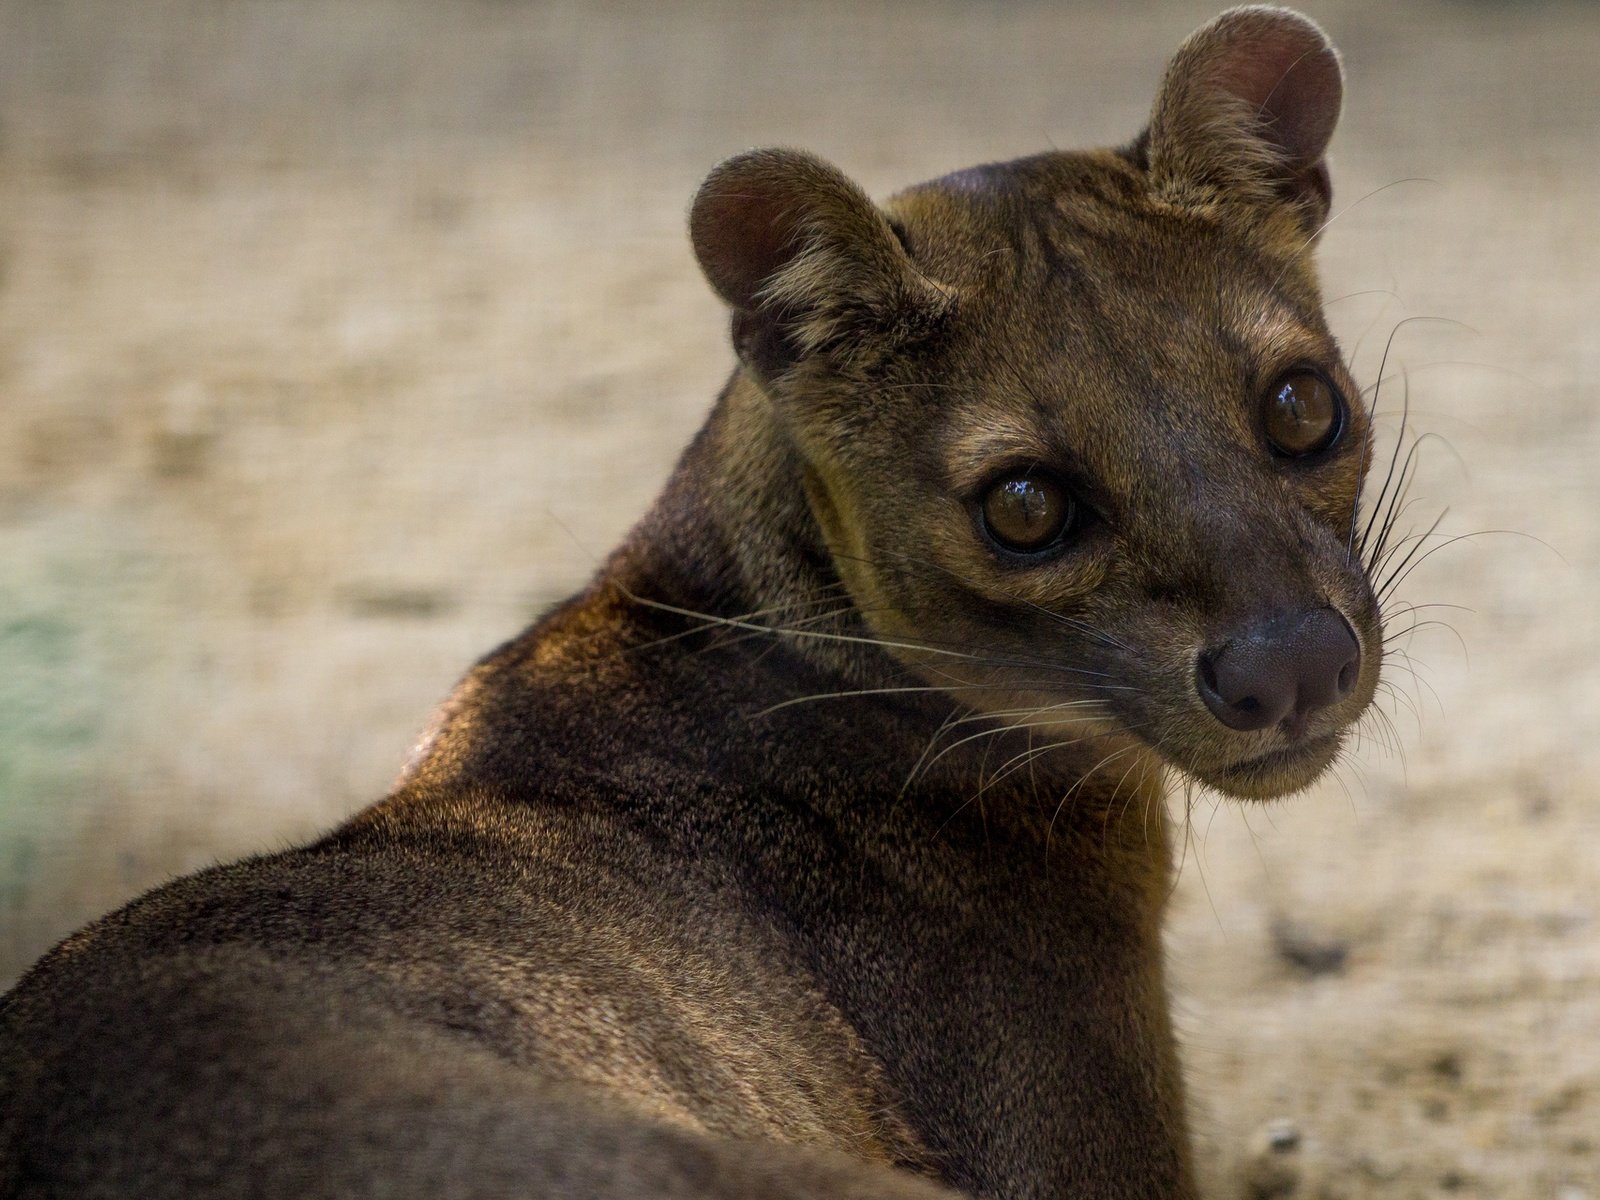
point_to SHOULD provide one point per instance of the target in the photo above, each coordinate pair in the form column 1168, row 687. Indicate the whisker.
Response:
column 709, row 621
column 1073, row 790
column 923, row 767
column 1317, row 232
column 1382, row 588
column 1396, row 580
column 1405, row 412
column 736, row 623
column 911, row 688
column 1017, row 762
column 1401, row 698
column 1061, row 618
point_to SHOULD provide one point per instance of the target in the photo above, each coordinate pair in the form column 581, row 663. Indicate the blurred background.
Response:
column 340, row 337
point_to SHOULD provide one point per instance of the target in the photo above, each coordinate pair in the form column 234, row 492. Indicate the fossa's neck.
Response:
column 734, row 537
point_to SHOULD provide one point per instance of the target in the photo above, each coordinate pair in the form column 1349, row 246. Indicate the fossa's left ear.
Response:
column 1246, row 108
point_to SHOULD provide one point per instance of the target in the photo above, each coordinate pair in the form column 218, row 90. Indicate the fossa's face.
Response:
column 1122, row 478
column 1078, row 436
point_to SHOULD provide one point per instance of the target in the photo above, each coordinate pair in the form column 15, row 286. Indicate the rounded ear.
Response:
column 801, row 254
column 1249, row 104
column 746, row 220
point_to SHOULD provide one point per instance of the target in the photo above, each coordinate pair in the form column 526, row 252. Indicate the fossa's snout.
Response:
column 1280, row 670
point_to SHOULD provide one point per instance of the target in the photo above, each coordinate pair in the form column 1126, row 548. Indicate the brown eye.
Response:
column 1302, row 414
column 1027, row 512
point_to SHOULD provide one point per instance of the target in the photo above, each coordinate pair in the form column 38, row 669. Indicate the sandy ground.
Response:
column 339, row 337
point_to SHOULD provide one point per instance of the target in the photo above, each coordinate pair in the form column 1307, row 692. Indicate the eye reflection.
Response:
column 1302, row 414
column 1027, row 512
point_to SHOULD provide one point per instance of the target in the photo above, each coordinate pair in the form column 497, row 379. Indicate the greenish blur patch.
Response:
column 58, row 694
column 42, row 732
column 51, row 716
column 42, row 664
column 37, row 653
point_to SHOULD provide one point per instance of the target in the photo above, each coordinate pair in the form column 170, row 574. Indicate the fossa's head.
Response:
column 1074, row 428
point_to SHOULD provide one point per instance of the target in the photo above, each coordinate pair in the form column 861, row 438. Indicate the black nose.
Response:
column 1285, row 668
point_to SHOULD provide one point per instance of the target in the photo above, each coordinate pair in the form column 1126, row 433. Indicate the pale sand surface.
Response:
column 337, row 338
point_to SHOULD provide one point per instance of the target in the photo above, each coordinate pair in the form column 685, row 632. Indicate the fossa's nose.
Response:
column 1280, row 670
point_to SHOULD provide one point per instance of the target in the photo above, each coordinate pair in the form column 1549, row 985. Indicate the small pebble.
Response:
column 1313, row 952
column 1272, row 1170
column 1282, row 1136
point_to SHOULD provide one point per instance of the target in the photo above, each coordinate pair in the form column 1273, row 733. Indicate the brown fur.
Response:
column 817, row 848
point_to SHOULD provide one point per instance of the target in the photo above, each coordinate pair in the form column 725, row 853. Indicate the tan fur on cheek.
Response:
column 845, row 535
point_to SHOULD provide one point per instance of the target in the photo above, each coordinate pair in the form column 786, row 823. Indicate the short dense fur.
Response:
column 817, row 848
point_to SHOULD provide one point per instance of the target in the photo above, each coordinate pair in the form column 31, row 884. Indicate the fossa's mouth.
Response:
column 1277, row 772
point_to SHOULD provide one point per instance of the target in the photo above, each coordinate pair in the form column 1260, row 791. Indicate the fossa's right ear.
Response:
column 808, row 263
column 1246, row 108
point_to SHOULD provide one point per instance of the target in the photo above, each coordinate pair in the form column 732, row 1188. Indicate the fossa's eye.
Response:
column 1302, row 414
column 1027, row 511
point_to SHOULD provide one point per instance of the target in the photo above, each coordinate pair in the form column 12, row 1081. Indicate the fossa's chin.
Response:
column 1275, row 774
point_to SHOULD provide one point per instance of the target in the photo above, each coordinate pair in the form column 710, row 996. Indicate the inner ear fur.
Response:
column 1247, row 107
column 806, row 261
